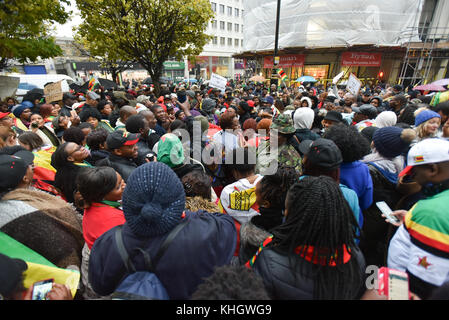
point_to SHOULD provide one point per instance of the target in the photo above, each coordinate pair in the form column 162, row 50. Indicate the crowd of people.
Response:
column 275, row 186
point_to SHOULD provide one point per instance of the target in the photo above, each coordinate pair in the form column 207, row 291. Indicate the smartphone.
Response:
column 385, row 209
column 34, row 125
column 181, row 96
column 41, row 288
column 394, row 284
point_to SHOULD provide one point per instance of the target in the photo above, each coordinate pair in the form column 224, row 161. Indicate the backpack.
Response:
column 142, row 285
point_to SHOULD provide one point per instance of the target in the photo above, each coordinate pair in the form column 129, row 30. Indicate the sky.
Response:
column 65, row 30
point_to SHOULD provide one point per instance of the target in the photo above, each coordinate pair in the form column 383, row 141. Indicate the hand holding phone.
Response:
column 41, row 288
column 388, row 213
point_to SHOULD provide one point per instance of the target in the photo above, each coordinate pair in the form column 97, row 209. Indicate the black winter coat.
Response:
column 274, row 268
column 122, row 165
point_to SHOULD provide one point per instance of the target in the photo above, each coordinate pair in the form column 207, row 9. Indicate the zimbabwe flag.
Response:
column 282, row 74
column 93, row 84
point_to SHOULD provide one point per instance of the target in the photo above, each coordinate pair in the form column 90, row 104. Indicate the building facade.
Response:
column 403, row 42
column 226, row 29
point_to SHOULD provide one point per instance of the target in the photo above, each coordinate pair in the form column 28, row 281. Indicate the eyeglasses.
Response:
column 77, row 149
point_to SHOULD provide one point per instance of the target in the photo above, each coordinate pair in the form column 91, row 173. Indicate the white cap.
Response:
column 432, row 150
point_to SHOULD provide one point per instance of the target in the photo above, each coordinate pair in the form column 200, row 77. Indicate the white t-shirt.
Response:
column 238, row 199
column 229, row 140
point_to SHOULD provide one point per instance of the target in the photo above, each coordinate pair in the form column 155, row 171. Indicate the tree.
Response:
column 98, row 50
column 25, row 27
column 147, row 31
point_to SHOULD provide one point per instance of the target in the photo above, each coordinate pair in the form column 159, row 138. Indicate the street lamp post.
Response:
column 276, row 41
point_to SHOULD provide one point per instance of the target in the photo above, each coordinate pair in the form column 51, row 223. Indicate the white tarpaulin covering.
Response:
column 329, row 23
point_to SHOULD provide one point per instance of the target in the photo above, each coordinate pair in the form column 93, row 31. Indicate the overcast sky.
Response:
column 65, row 30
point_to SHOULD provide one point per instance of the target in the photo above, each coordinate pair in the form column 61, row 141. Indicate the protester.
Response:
column 427, row 123
column 417, row 246
column 123, row 150
column 207, row 240
column 313, row 254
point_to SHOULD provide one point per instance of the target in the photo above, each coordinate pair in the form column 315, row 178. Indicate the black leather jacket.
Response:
column 122, row 165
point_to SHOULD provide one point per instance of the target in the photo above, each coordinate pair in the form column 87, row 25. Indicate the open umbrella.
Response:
column 33, row 94
column 306, row 79
column 430, row 87
column 161, row 80
column 257, row 78
column 106, row 83
column 441, row 82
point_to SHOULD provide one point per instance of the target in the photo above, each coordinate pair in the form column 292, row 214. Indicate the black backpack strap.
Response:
column 122, row 250
column 171, row 236
column 150, row 265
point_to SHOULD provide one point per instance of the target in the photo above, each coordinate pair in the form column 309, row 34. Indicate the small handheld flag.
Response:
column 282, row 74
column 93, row 84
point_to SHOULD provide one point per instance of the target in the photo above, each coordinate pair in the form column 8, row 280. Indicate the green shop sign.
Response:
column 174, row 65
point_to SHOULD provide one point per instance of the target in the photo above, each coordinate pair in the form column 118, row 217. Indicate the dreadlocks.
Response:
column 318, row 218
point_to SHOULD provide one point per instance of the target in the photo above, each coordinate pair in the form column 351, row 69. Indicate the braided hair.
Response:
column 319, row 216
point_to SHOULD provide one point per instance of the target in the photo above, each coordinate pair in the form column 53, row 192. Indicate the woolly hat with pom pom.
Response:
column 153, row 200
column 392, row 141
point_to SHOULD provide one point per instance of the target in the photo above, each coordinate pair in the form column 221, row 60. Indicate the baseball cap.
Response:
column 366, row 109
column 120, row 138
column 11, row 271
column 93, row 95
column 322, row 152
column 432, row 150
column 13, row 168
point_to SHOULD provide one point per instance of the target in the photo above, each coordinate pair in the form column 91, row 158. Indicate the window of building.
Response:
column 236, row 42
column 236, row 27
column 222, row 8
column 214, row 24
column 214, row 40
column 229, row 26
column 222, row 41
column 229, row 11
column 214, row 6
column 229, row 41
column 222, row 25
column 241, row 43
column 236, row 12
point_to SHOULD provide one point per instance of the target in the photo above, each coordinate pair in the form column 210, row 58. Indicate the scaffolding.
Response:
column 432, row 45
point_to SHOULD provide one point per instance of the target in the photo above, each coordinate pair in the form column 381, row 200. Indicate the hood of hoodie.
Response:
column 303, row 118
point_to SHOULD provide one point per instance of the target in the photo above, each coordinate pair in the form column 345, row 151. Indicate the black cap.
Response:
column 67, row 95
column 13, row 168
column 120, row 138
column 367, row 109
column 11, row 271
column 322, row 153
column 333, row 116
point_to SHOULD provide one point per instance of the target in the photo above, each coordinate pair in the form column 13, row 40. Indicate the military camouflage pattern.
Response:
column 283, row 123
column 269, row 160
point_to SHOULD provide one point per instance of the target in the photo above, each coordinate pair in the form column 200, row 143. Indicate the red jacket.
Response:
column 98, row 219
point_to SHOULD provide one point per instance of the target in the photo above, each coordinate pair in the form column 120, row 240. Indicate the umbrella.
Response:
column 193, row 80
column 430, row 87
column 150, row 81
column 306, row 79
column 33, row 94
column 441, row 82
column 106, row 83
column 257, row 78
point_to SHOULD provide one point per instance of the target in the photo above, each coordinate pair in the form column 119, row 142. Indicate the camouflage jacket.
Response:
column 268, row 160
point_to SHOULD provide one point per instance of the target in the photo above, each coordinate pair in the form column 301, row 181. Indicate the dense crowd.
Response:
column 264, row 192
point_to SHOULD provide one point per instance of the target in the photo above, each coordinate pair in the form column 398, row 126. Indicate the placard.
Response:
column 337, row 77
column 217, row 81
column 353, row 85
column 53, row 92
column 8, row 86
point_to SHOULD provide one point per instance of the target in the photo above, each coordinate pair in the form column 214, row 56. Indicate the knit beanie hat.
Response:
column 392, row 141
column 17, row 110
column 425, row 115
column 170, row 150
column 153, row 200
